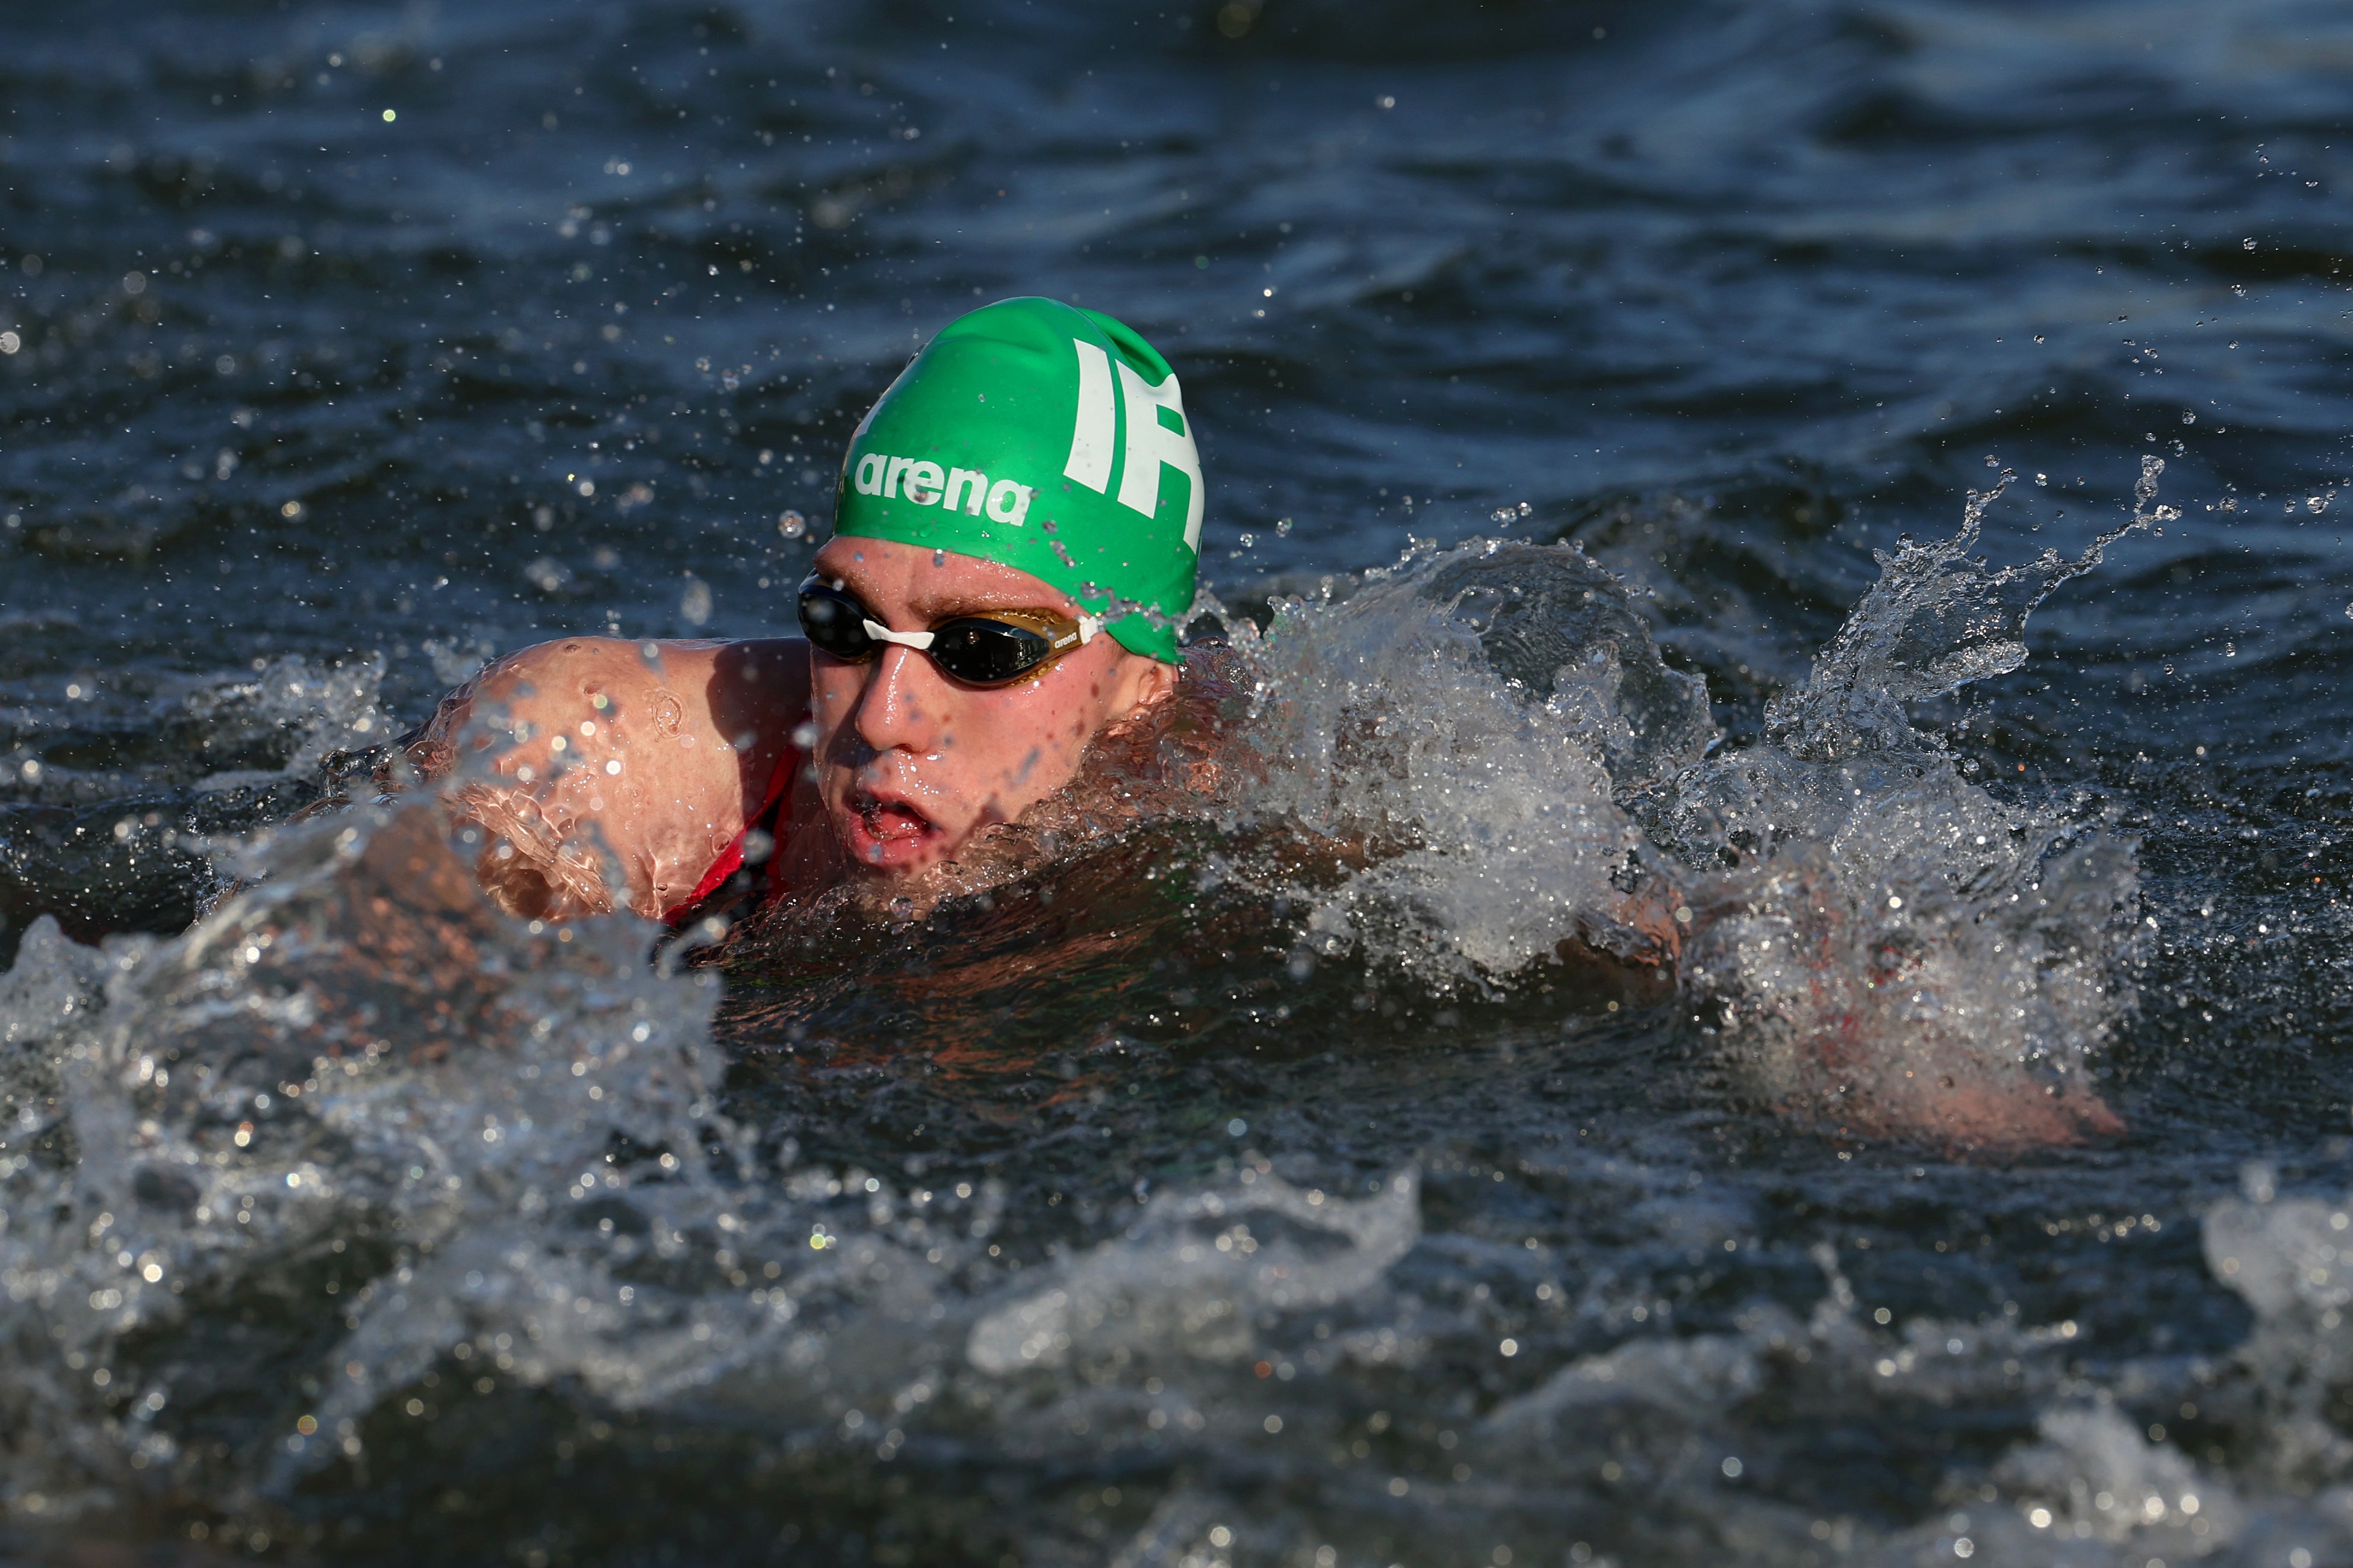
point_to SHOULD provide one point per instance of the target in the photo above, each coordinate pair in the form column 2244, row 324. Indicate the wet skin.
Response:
column 652, row 757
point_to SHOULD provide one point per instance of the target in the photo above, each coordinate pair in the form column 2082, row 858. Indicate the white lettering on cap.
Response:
column 1091, row 428
column 1151, row 445
column 924, row 482
column 1009, row 502
column 969, row 482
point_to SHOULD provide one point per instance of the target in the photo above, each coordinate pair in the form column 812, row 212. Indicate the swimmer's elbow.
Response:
column 482, row 725
column 558, row 887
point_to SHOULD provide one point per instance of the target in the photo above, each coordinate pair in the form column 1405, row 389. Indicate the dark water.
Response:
column 1169, row 1207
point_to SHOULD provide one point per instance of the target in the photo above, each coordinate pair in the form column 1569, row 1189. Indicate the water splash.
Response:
column 1194, row 1275
column 1493, row 746
column 1887, row 944
column 308, row 709
column 137, row 844
column 350, row 1081
column 1937, row 620
column 417, row 1158
column 1459, row 731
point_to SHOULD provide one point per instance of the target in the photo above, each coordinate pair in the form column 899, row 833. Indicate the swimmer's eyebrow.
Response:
column 929, row 607
column 935, row 607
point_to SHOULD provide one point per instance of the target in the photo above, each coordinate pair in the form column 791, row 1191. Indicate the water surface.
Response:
column 1183, row 1199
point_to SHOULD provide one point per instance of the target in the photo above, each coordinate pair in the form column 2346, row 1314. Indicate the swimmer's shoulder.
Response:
column 746, row 696
column 704, row 675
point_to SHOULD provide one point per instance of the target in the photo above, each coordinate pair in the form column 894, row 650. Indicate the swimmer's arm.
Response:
column 597, row 774
column 485, row 751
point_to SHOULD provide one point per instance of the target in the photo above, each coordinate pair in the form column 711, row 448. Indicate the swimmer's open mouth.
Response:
column 888, row 820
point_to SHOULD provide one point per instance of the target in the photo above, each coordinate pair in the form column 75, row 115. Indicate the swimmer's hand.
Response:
column 1847, row 1061
column 1864, row 1032
column 2009, row 1117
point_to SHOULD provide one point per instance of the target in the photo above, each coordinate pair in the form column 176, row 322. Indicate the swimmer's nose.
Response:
column 896, row 710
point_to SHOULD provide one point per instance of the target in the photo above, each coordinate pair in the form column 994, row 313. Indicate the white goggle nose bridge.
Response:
column 922, row 641
column 881, row 633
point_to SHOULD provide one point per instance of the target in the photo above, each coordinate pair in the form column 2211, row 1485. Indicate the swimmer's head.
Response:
column 910, row 762
column 1049, row 439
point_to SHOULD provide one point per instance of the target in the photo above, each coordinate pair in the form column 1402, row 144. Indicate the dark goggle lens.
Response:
column 988, row 653
column 972, row 649
column 835, row 622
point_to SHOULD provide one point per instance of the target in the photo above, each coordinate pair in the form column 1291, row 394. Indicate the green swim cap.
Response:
column 1051, row 439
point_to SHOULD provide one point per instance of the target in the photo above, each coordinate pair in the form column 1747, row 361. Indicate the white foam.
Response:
column 1190, row 1277
column 1485, row 802
column 325, row 708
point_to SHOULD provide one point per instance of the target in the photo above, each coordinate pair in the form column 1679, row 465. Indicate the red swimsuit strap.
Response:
column 769, row 819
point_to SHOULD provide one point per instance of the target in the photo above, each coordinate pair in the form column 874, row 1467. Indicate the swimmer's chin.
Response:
column 983, row 857
column 922, row 867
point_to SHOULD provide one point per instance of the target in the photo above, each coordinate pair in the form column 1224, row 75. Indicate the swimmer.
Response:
column 1016, row 544
column 1016, row 541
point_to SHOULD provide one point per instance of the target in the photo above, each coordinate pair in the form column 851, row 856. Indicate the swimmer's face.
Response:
column 911, row 764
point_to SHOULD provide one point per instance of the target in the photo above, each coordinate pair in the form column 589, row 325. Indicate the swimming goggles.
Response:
column 988, row 648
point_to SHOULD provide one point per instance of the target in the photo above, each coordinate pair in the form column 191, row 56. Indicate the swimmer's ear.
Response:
column 1154, row 684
